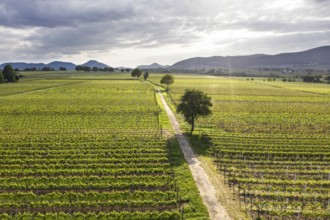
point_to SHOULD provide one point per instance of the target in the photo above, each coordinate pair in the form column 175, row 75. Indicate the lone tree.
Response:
column 145, row 75
column 136, row 73
column 9, row 73
column 168, row 80
column 193, row 104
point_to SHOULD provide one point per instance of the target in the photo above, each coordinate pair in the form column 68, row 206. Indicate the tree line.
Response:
column 316, row 78
column 94, row 69
column 138, row 73
column 33, row 69
column 77, row 68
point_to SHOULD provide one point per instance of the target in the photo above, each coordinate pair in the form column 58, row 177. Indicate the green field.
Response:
column 269, row 140
column 89, row 146
column 100, row 146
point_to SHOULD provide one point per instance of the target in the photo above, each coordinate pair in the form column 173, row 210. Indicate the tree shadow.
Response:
column 175, row 153
column 201, row 143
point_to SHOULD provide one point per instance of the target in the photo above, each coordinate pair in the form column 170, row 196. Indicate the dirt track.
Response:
column 206, row 189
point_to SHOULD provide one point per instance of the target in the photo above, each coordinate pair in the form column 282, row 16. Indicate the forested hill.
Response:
column 314, row 57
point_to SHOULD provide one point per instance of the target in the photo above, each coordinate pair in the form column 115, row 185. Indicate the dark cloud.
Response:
column 319, row 1
column 71, row 27
column 37, row 13
column 107, row 35
column 41, row 29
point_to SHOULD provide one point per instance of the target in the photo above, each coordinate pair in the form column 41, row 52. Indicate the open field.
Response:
column 78, row 146
column 269, row 140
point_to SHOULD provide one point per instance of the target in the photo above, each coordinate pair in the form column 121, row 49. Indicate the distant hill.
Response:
column 314, row 57
column 310, row 58
column 54, row 65
column 57, row 64
column 152, row 66
column 22, row 65
column 121, row 67
column 93, row 63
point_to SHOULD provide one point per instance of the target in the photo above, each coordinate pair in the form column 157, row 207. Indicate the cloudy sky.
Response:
column 134, row 32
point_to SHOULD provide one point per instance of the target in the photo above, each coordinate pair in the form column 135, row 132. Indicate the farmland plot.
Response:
column 84, row 149
column 270, row 141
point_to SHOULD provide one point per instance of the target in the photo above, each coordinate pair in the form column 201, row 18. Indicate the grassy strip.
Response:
column 189, row 194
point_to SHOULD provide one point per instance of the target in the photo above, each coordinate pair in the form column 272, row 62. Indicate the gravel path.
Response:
column 206, row 189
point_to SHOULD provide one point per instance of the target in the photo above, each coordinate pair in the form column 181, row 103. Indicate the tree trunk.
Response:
column 192, row 125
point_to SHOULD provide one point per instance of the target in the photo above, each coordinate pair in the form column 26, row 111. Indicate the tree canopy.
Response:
column 83, row 68
column 311, row 78
column 146, row 75
column 136, row 73
column 47, row 68
column 108, row 69
column 168, row 80
column 95, row 69
column 193, row 104
column 9, row 73
column 326, row 78
column 2, row 79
